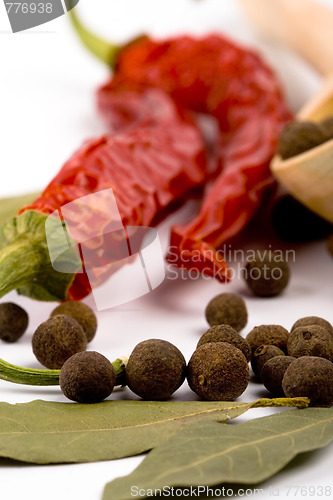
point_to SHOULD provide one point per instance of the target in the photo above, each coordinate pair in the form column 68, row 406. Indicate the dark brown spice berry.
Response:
column 227, row 309
column 225, row 333
column 266, row 274
column 327, row 127
column 87, row 377
column 268, row 335
column 218, row 371
column 261, row 355
column 155, row 369
column 294, row 222
column 310, row 377
column 83, row 314
column 298, row 137
column 312, row 340
column 13, row 321
column 272, row 373
column 330, row 244
column 313, row 320
column 57, row 339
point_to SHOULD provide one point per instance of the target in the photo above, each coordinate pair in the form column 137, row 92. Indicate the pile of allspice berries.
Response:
column 291, row 364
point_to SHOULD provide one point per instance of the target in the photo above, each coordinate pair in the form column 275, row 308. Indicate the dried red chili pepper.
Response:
column 207, row 76
column 215, row 76
column 149, row 168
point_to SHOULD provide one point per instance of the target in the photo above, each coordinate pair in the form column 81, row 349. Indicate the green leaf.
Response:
column 10, row 206
column 46, row 432
column 208, row 453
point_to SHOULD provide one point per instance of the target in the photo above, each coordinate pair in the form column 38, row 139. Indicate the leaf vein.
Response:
column 239, row 446
column 146, row 424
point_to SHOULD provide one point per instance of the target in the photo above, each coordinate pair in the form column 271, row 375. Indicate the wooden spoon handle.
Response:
column 306, row 26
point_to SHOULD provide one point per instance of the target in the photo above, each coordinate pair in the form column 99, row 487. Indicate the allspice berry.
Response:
column 327, row 127
column 225, row 333
column 313, row 320
column 261, row 355
column 83, row 314
column 227, row 309
column 330, row 244
column 272, row 373
column 218, row 371
column 294, row 222
column 268, row 335
column 312, row 340
column 155, row 369
column 300, row 136
column 13, row 321
column 311, row 377
column 57, row 339
column 266, row 274
column 87, row 377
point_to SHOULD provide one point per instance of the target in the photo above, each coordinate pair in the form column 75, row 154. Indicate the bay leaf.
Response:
column 11, row 205
column 208, row 453
column 49, row 432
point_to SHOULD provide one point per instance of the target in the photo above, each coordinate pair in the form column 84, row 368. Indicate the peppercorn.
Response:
column 267, row 274
column 273, row 371
column 330, row 244
column 298, row 137
column 268, row 335
column 13, row 321
column 312, row 340
column 218, row 371
column 261, row 355
column 311, row 377
column 225, row 333
column 327, row 126
column 294, row 222
column 227, row 309
column 155, row 369
column 83, row 314
column 87, row 377
column 57, row 339
column 313, row 320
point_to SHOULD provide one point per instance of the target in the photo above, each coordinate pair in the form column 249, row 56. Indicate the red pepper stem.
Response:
column 18, row 266
column 25, row 260
column 105, row 51
column 43, row 377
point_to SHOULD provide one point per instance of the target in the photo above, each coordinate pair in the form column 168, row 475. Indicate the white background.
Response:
column 47, row 109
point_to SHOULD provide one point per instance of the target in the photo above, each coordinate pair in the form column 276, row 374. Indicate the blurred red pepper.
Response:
column 212, row 75
column 158, row 155
column 150, row 168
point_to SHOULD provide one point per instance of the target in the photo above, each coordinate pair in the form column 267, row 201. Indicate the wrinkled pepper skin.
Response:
column 214, row 76
column 156, row 155
column 150, row 167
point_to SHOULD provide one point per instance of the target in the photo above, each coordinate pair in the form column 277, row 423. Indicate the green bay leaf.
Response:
column 10, row 206
column 208, row 453
column 49, row 432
